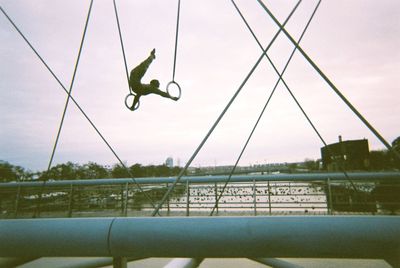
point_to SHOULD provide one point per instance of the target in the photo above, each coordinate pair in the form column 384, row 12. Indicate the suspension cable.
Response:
column 292, row 95
column 129, row 88
column 65, row 110
column 122, row 44
column 269, row 98
column 176, row 38
column 131, row 93
column 330, row 83
column 70, row 87
column 78, row 106
column 173, row 82
column 171, row 188
column 342, row 169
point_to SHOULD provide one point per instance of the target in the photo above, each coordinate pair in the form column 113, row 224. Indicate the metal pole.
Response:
column 122, row 196
column 36, row 213
column 71, row 200
column 17, row 197
column 120, row 262
column 97, row 262
column 126, row 199
column 330, row 206
column 187, row 198
column 269, row 199
column 168, row 206
column 337, row 176
column 216, row 196
column 79, row 198
column 254, row 198
column 364, row 237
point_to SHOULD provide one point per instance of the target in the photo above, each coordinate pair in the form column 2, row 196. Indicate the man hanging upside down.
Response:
column 144, row 89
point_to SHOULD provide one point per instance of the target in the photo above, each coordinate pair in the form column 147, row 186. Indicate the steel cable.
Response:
column 77, row 105
column 170, row 189
column 122, row 44
column 269, row 98
column 71, row 86
column 342, row 169
column 66, row 102
column 129, row 87
column 330, row 83
column 176, row 39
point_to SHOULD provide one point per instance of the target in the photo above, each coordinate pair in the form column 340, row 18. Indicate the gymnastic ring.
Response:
column 179, row 88
column 126, row 102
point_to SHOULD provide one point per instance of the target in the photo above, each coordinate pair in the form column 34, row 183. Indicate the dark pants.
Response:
column 136, row 76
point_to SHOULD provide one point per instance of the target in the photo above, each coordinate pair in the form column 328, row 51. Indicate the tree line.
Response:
column 91, row 170
column 381, row 160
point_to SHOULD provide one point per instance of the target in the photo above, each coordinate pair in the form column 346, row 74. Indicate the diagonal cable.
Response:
column 220, row 117
column 70, row 87
column 292, row 95
column 77, row 105
column 65, row 109
column 269, row 98
column 330, row 83
column 342, row 169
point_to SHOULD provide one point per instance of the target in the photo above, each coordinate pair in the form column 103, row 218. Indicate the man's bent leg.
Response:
column 138, row 72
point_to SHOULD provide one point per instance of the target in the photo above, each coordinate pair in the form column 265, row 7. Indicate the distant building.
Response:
column 347, row 155
column 169, row 162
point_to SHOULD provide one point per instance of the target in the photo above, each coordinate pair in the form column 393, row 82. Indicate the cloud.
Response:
column 355, row 44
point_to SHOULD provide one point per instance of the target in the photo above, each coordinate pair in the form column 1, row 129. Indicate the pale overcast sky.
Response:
column 356, row 43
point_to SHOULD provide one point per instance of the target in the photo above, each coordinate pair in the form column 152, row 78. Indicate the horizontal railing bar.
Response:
column 362, row 237
column 365, row 176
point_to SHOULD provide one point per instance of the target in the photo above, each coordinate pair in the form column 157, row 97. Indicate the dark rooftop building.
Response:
column 347, row 155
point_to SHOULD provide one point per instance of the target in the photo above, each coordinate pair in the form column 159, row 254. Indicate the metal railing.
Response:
column 279, row 194
column 295, row 237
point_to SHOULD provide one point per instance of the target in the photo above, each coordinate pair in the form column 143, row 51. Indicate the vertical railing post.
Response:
column 120, row 262
column 126, row 197
column 187, row 197
column 71, row 200
column 269, row 199
column 17, row 197
column 255, row 197
column 351, row 200
column 36, row 214
column 168, row 205
column 330, row 204
column 216, row 197
column 79, row 197
column 122, row 197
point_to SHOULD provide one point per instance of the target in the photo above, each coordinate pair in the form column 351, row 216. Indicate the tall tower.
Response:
column 169, row 162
